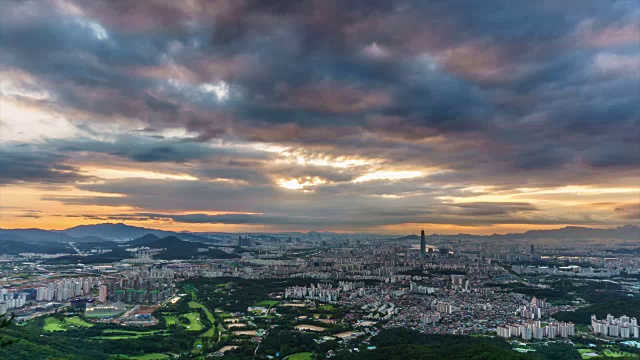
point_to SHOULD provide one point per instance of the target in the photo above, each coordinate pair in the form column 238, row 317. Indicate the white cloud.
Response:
column 388, row 175
column 106, row 173
column 97, row 30
column 376, row 51
column 24, row 122
column 221, row 89
column 301, row 183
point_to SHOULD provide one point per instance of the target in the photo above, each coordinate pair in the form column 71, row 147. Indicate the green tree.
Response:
column 4, row 323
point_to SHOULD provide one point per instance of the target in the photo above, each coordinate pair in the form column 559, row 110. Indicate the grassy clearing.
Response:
column 116, row 337
column 582, row 353
column 327, row 307
column 171, row 320
column 53, row 324
column 615, row 354
column 212, row 330
column 194, row 322
column 210, row 333
column 77, row 321
column 197, row 305
column 300, row 356
column 151, row 356
column 268, row 303
column 125, row 337
column 196, row 343
column 224, row 315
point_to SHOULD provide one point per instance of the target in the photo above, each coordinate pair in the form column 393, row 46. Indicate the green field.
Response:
column 124, row 337
column 115, row 337
column 171, row 320
column 300, row 356
column 615, row 354
column 196, row 343
column 586, row 351
column 197, row 305
column 327, row 307
column 53, row 324
column 268, row 303
column 210, row 333
column 194, row 323
column 77, row 321
column 224, row 315
column 153, row 356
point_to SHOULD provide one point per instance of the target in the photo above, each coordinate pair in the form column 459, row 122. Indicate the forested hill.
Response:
column 404, row 344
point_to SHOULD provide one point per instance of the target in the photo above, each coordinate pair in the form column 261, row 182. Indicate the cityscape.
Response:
column 319, row 179
column 340, row 292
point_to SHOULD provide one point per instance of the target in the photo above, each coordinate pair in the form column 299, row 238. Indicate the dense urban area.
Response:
column 135, row 293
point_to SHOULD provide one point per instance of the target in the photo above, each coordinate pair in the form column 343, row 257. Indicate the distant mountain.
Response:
column 148, row 240
column 119, row 231
column 40, row 236
column 12, row 237
column 12, row 247
column 626, row 233
column 176, row 248
column 409, row 238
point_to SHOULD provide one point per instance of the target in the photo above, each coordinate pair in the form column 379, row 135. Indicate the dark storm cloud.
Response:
column 320, row 222
column 21, row 164
column 136, row 148
column 490, row 208
column 299, row 46
column 508, row 94
column 625, row 154
column 226, row 218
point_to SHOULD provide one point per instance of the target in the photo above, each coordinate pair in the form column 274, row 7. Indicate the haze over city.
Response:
column 373, row 116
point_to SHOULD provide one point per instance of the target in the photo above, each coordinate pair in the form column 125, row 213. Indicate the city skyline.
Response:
column 381, row 117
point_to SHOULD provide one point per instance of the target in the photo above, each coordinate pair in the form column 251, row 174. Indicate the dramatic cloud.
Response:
column 20, row 164
column 321, row 115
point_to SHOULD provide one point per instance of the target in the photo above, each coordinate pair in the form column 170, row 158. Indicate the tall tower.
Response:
column 422, row 245
column 102, row 293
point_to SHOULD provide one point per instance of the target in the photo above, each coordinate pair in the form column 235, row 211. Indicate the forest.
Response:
column 403, row 344
column 616, row 307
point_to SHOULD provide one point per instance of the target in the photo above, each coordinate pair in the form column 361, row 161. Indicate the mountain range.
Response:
column 170, row 248
column 91, row 233
column 625, row 233
column 122, row 232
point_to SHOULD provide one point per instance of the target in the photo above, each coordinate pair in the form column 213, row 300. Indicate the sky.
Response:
column 348, row 116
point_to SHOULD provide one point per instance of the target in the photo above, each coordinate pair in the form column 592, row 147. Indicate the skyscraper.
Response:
column 422, row 245
column 102, row 293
